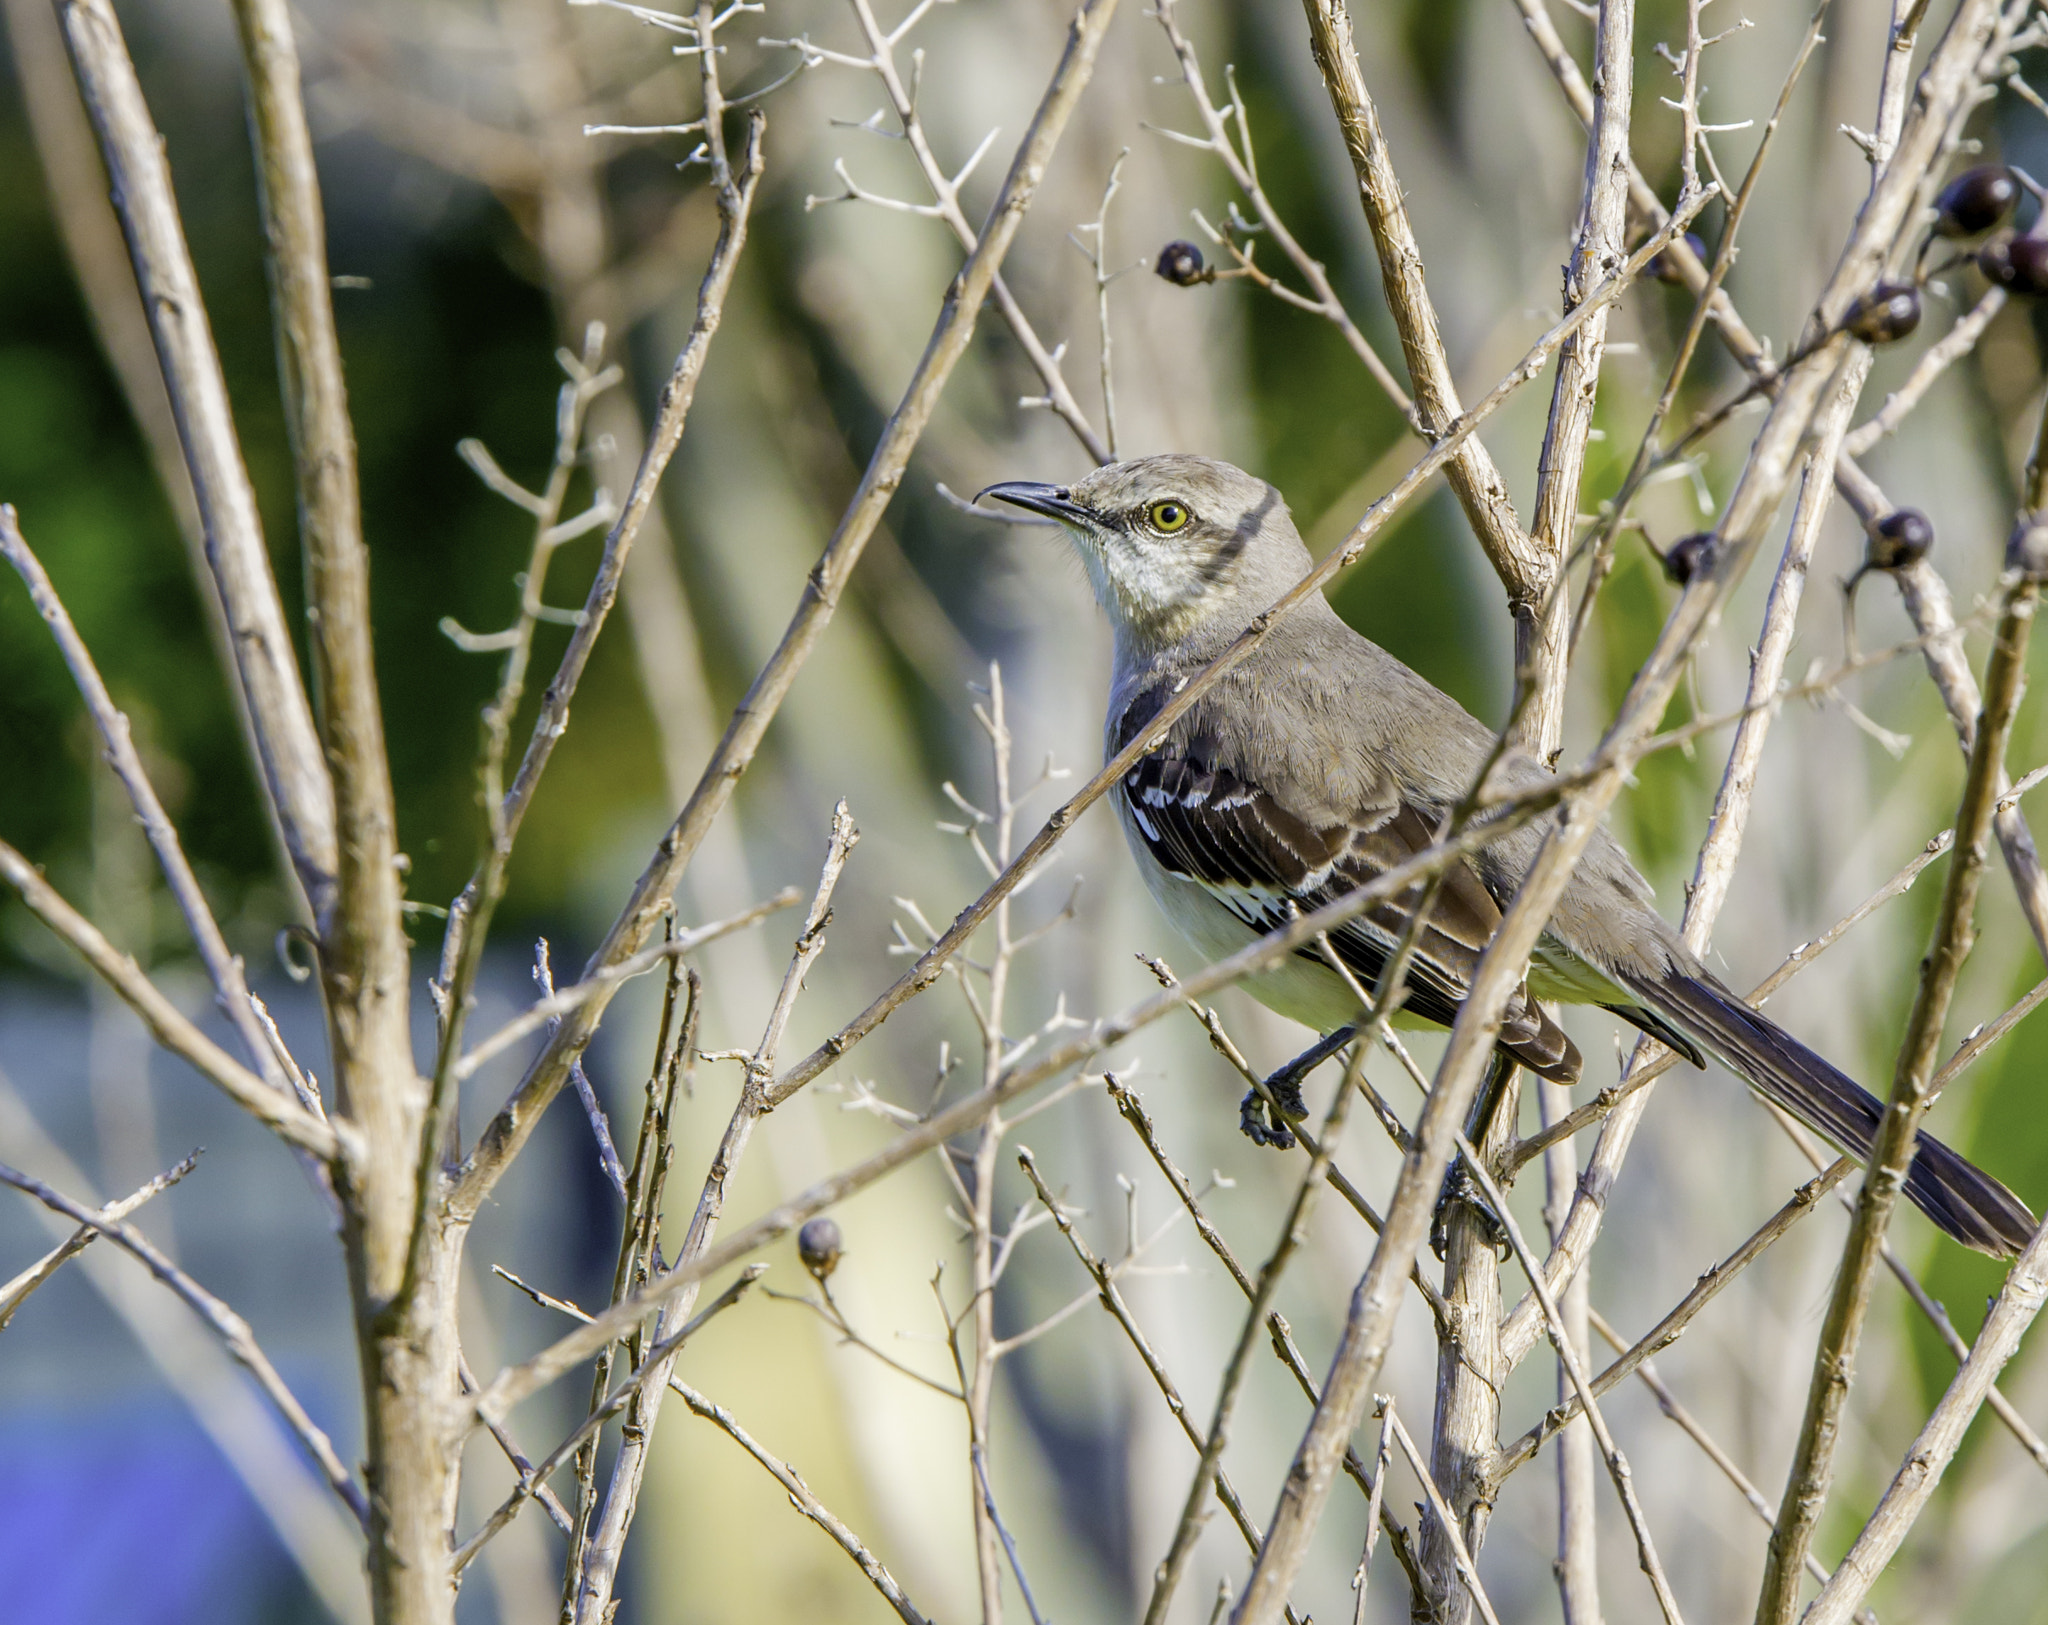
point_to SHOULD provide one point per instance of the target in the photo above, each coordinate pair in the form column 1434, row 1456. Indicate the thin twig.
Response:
column 607, row 1541
column 166, row 1023
column 1244, row 174
column 661, row 1354
column 950, row 336
column 1892, row 1153
column 1689, row 1425
column 16, row 1291
column 1668, row 1330
column 229, row 1327
column 223, row 967
column 803, row 1500
column 1133, row 1112
column 1446, row 1520
column 1112, row 1300
column 2018, row 1302
column 1293, row 1232
column 1617, row 1464
column 289, row 755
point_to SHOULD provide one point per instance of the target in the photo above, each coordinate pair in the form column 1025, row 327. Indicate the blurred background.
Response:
column 473, row 228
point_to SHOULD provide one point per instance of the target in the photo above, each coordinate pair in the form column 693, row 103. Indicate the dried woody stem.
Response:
column 15, row 1292
column 1133, row 1112
column 734, row 187
column 223, row 968
column 1243, row 170
column 2015, row 1308
column 639, row 1237
column 1470, row 1368
column 1112, row 1299
column 402, row 1275
column 593, row 1597
column 295, row 1498
column 1689, row 1425
column 662, row 1353
column 469, row 920
column 1892, row 1154
column 167, row 1024
column 1481, row 491
column 1668, row 1330
column 1376, row 1301
column 1224, row 1045
column 1617, row 1464
column 950, row 337
column 229, row 1327
column 1294, row 1231
column 804, row 1501
column 290, row 760
column 945, row 191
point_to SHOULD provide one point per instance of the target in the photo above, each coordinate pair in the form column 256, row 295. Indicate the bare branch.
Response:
column 229, row 1327
column 803, row 1500
column 231, row 990
column 166, row 1023
column 546, row 1011
column 15, row 1292
column 949, row 341
column 1560, row 1337
column 293, row 768
column 2018, row 1302
column 1481, row 489
column 599, row 1571
column 1892, row 1154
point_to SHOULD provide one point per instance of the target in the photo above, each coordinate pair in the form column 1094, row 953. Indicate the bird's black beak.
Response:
column 1054, row 501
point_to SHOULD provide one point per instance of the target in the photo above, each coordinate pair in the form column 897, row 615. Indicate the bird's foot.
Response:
column 1263, row 1123
column 1462, row 1190
column 1265, row 1113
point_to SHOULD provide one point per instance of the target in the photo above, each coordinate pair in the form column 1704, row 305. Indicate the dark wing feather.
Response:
column 1212, row 826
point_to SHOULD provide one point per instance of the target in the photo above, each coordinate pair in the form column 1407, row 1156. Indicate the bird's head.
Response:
column 1173, row 545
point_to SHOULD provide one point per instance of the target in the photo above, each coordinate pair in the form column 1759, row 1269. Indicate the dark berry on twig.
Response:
column 2026, row 549
column 1886, row 313
column 819, row 1245
column 1689, row 555
column 1975, row 201
column 2016, row 263
column 1181, row 264
column 1900, row 538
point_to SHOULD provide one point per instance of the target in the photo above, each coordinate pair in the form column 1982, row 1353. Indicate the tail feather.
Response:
column 1963, row 1200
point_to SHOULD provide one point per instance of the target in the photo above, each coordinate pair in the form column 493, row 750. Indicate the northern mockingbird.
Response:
column 1321, row 761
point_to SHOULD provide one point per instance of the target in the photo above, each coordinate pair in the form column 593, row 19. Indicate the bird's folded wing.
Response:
column 1239, row 842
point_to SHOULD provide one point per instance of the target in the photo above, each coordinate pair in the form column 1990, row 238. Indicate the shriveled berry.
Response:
column 2016, row 263
column 2026, row 549
column 1663, row 265
column 1900, row 538
column 1689, row 555
column 1888, row 312
column 819, row 1245
column 1181, row 264
column 1975, row 201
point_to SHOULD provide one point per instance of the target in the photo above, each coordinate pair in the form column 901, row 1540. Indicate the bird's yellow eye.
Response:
column 1168, row 516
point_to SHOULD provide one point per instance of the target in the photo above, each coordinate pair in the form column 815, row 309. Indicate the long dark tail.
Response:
column 1961, row 1198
